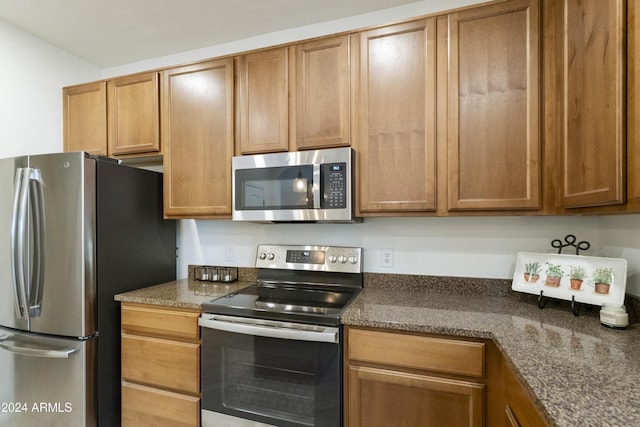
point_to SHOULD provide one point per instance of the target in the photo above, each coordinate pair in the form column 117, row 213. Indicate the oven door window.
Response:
column 277, row 188
column 271, row 380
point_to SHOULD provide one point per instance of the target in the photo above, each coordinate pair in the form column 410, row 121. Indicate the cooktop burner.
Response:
column 301, row 305
column 308, row 284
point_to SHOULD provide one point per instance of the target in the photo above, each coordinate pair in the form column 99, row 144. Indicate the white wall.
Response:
column 465, row 247
column 32, row 75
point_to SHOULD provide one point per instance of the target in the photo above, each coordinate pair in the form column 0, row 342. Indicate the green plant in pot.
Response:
column 577, row 275
column 602, row 278
column 554, row 275
column 532, row 271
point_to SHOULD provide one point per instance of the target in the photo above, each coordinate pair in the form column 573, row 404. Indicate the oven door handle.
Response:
column 269, row 328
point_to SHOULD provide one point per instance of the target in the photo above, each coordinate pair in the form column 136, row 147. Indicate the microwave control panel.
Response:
column 334, row 185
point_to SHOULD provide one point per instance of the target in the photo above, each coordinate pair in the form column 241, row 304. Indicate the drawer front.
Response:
column 161, row 363
column 146, row 406
column 415, row 351
column 160, row 321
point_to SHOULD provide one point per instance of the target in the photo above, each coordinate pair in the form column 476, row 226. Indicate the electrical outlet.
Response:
column 386, row 258
column 229, row 255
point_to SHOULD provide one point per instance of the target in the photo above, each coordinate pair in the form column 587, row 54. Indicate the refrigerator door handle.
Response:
column 13, row 345
column 18, row 243
column 36, row 196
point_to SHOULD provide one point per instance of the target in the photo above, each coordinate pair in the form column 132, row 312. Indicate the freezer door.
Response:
column 46, row 381
column 9, row 291
column 62, row 258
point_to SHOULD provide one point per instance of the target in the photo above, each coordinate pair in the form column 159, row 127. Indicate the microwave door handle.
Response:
column 37, row 202
column 18, row 243
column 316, row 186
column 251, row 327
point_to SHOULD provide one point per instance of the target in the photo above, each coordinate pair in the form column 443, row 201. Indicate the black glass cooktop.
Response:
column 286, row 303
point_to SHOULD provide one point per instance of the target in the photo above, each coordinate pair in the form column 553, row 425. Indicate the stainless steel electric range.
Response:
column 272, row 352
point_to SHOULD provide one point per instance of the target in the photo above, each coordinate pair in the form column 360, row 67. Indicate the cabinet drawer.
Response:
column 162, row 363
column 160, row 321
column 151, row 407
column 415, row 351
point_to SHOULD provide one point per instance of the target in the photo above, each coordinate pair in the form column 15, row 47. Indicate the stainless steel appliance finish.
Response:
column 75, row 231
column 272, row 352
column 306, row 186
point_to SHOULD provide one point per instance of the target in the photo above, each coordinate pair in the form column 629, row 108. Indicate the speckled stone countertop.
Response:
column 577, row 371
column 183, row 293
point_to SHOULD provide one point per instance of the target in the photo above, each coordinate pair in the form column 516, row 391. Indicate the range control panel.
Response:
column 311, row 258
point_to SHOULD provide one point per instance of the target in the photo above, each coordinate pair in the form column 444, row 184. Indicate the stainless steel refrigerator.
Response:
column 74, row 231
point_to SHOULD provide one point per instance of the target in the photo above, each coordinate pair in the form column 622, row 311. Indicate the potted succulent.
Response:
column 576, row 276
column 531, row 271
column 554, row 275
column 602, row 278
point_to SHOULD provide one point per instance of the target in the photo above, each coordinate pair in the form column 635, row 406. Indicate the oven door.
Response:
column 274, row 373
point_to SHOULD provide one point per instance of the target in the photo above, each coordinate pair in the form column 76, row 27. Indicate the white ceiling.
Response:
column 109, row 33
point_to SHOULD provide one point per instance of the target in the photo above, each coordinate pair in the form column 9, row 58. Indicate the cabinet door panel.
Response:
column 385, row 397
column 263, row 97
column 323, row 93
column 152, row 407
column 197, row 120
column 162, row 363
column 85, row 118
column 493, row 107
column 396, row 139
column 134, row 114
column 591, row 51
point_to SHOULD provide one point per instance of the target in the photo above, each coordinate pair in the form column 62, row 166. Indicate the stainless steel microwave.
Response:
column 302, row 186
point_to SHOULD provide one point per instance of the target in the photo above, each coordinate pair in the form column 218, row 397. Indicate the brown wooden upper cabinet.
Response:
column 323, row 95
column 492, row 119
column 396, row 155
column 587, row 50
column 134, row 114
column 263, row 101
column 198, row 132
column 84, row 114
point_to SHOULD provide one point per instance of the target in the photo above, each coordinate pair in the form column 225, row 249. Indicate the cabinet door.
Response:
column 134, row 123
column 494, row 127
column 160, row 408
column 387, row 397
column 396, row 137
column 323, row 96
column 590, row 62
column 263, row 102
column 633, row 100
column 519, row 411
column 166, row 364
column 85, row 118
column 197, row 121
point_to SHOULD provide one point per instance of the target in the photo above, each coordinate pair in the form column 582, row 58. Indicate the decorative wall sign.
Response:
column 585, row 279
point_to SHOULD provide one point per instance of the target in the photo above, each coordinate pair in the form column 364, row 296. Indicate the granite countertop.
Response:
column 577, row 371
column 183, row 293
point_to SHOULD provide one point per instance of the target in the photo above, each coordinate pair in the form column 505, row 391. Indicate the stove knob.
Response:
column 353, row 259
column 342, row 259
column 270, row 256
column 333, row 258
column 262, row 255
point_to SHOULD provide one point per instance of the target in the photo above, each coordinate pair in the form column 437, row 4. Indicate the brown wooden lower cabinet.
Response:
column 160, row 366
column 402, row 379
column 391, row 397
column 143, row 405
column 519, row 409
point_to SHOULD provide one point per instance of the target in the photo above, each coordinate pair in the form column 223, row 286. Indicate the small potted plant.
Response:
column 576, row 276
column 531, row 271
column 602, row 278
column 554, row 275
